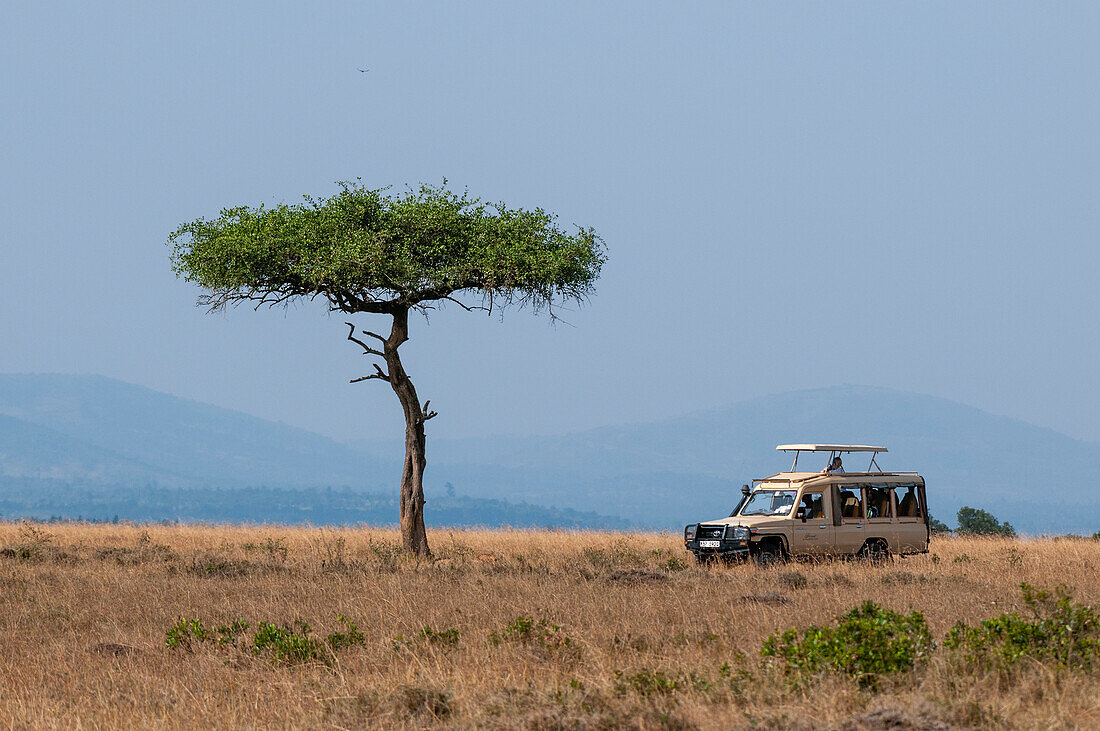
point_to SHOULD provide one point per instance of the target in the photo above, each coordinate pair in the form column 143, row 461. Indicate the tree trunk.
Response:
column 414, row 537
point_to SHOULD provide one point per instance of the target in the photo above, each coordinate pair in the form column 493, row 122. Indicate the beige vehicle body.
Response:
column 872, row 513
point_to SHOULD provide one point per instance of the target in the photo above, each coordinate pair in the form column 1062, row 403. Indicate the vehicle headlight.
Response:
column 689, row 532
column 738, row 533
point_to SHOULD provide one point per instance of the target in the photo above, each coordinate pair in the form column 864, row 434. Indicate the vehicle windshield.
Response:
column 769, row 502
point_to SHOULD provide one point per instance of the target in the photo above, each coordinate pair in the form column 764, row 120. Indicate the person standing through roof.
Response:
column 836, row 466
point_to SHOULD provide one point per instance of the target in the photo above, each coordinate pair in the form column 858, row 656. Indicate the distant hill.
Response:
column 95, row 447
column 89, row 431
column 45, row 499
column 671, row 472
column 121, row 431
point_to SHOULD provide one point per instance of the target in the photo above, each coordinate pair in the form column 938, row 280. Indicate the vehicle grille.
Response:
column 710, row 532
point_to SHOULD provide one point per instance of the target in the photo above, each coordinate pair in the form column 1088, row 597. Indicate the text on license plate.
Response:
column 709, row 544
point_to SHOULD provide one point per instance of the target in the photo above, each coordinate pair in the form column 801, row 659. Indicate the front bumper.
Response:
column 725, row 547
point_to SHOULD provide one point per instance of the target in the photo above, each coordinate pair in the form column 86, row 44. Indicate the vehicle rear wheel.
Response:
column 876, row 552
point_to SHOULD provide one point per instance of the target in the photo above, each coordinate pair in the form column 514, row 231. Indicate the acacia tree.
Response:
column 367, row 251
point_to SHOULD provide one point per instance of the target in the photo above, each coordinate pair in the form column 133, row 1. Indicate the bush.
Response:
column 1059, row 632
column 867, row 642
column 186, row 633
column 938, row 527
column 645, row 683
column 289, row 643
column 352, row 638
column 285, row 643
column 444, row 637
column 974, row 521
column 527, row 631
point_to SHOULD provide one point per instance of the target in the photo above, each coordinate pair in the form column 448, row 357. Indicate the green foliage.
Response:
column 352, row 637
column 366, row 246
column 674, row 564
column 274, row 548
column 867, row 642
column 645, row 683
column 1059, row 632
column 285, row 643
column 528, row 631
column 229, row 634
column 937, row 527
column 186, row 633
column 445, row 638
column 975, row 521
column 289, row 643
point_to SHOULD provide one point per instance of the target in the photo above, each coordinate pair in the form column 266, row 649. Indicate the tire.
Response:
column 769, row 554
column 875, row 552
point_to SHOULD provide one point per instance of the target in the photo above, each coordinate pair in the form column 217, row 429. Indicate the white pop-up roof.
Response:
column 832, row 448
column 829, row 448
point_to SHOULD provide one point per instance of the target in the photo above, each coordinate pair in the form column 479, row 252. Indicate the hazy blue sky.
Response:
column 793, row 195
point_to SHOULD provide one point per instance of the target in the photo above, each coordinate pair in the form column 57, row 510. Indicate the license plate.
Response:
column 710, row 544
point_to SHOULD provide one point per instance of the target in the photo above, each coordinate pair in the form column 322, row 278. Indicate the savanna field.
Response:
column 118, row 626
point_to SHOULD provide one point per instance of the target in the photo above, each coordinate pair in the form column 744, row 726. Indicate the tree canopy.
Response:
column 367, row 251
column 976, row 521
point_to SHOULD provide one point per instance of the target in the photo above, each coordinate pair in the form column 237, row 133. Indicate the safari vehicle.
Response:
column 871, row 514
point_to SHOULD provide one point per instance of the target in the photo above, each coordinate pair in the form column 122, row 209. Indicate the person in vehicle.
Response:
column 835, row 467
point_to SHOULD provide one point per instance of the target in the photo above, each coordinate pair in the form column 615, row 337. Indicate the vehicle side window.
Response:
column 813, row 505
column 851, row 501
column 908, row 504
column 878, row 502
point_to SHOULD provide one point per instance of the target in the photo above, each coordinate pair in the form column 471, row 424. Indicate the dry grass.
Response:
column 84, row 610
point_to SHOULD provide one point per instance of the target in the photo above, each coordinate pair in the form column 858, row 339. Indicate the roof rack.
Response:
column 833, row 450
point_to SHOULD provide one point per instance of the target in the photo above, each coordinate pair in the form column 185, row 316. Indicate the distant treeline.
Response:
column 44, row 499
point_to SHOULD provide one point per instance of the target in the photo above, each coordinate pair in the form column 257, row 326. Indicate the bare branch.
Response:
column 366, row 348
column 428, row 413
column 468, row 308
column 380, row 375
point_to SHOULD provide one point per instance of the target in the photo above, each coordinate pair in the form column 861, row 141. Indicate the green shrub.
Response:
column 645, row 683
column 1060, row 632
column 674, row 564
column 289, row 643
column 525, row 630
column 229, row 634
column 976, row 522
column 275, row 548
column 286, row 643
column 867, row 642
column 446, row 637
column 351, row 638
column 938, row 527
column 186, row 633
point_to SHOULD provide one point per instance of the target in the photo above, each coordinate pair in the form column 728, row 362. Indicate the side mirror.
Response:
column 745, row 490
column 801, row 514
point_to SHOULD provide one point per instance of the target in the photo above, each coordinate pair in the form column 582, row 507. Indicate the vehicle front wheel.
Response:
column 769, row 554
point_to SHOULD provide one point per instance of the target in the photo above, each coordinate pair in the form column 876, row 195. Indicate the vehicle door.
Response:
column 911, row 525
column 878, row 505
column 850, row 529
column 812, row 531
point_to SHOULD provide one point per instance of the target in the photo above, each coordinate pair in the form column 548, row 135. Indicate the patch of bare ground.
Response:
column 504, row 629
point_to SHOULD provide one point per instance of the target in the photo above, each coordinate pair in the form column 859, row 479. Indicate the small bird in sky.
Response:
column 363, row 71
